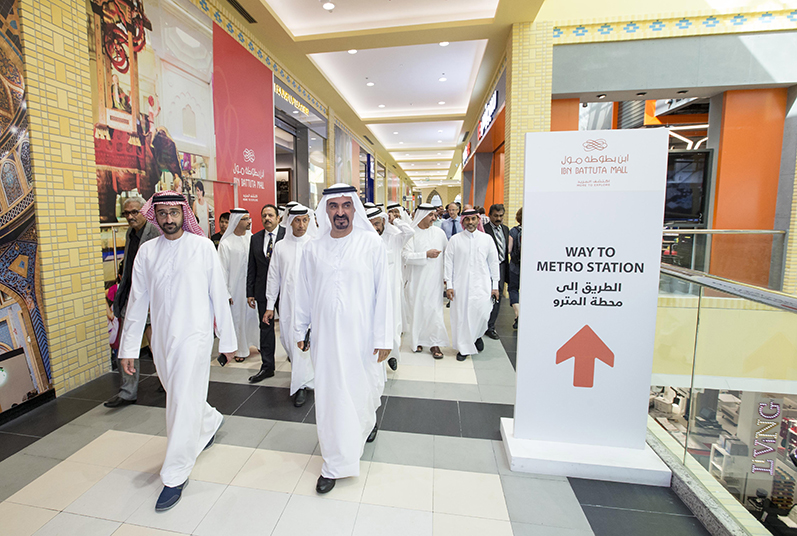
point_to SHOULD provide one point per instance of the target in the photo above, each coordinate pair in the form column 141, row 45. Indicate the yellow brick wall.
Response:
column 790, row 272
column 528, row 100
column 67, row 217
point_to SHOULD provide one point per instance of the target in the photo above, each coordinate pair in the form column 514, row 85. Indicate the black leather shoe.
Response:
column 479, row 344
column 514, row 326
column 300, row 398
column 372, row 435
column 118, row 402
column 492, row 334
column 392, row 363
column 461, row 357
column 324, row 484
column 261, row 375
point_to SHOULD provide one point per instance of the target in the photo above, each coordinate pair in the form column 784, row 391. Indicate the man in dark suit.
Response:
column 256, row 275
column 500, row 235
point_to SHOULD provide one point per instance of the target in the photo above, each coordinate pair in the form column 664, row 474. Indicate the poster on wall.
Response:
column 154, row 106
column 244, row 124
column 24, row 352
column 593, row 205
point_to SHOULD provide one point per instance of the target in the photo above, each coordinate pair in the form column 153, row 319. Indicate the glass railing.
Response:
column 724, row 385
column 749, row 256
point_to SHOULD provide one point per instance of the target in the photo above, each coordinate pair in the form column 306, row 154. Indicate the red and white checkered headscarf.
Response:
column 190, row 224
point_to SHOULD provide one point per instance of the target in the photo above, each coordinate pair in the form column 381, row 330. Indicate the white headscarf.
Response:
column 284, row 212
column 235, row 218
column 312, row 228
column 423, row 210
column 402, row 212
column 374, row 213
column 342, row 190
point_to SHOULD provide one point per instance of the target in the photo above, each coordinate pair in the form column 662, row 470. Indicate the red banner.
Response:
column 243, row 105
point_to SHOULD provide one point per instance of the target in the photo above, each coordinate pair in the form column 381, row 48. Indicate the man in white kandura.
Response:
column 234, row 255
column 178, row 279
column 396, row 211
column 424, row 257
column 471, row 274
column 344, row 293
column 283, row 273
column 394, row 235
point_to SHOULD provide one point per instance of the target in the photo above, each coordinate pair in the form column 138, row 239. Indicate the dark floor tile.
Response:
column 630, row 496
column 49, row 417
column 483, row 421
column 147, row 366
column 149, row 393
column 512, row 357
column 614, row 521
column 228, row 397
column 13, row 443
column 274, row 403
column 99, row 389
column 420, row 416
column 310, row 418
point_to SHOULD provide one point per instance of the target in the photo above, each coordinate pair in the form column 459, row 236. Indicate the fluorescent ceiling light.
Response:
column 441, row 102
column 353, row 51
column 370, row 84
column 444, row 43
column 329, row 6
column 442, row 79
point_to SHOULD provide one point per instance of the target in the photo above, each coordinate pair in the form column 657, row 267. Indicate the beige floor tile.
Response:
column 272, row 470
column 423, row 359
column 148, row 458
column 453, row 375
column 135, row 530
column 471, row 494
column 450, row 361
column 110, row 449
column 399, row 486
column 220, row 463
column 451, row 525
column 58, row 487
column 346, row 489
column 23, row 520
column 415, row 373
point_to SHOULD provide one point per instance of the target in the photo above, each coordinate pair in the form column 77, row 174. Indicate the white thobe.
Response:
column 234, row 255
column 425, row 288
column 395, row 237
column 283, row 273
column 344, row 293
column 180, row 282
column 471, row 269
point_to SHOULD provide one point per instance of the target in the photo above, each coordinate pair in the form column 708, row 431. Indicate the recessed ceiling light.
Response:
column 683, row 92
column 601, row 96
column 641, row 93
column 440, row 131
column 353, row 51
column 329, row 6
column 439, row 141
column 370, row 84
column 442, row 79
column 401, row 143
column 407, row 154
column 395, row 133
column 381, row 105
column 441, row 102
column 296, row 111
column 313, row 139
column 438, row 154
column 444, row 43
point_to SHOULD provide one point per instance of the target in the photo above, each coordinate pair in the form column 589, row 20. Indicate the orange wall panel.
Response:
column 751, row 138
column 564, row 114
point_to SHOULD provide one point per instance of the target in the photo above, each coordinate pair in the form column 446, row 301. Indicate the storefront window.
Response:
column 317, row 170
column 380, row 184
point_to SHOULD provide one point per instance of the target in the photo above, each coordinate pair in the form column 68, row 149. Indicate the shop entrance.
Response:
column 291, row 148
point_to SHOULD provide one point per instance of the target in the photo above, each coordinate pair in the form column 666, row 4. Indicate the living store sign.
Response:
column 488, row 114
column 767, row 430
column 290, row 99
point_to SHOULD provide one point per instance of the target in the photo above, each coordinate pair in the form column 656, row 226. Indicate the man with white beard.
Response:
column 395, row 235
column 177, row 277
column 471, row 275
column 283, row 273
column 234, row 255
column 344, row 292
column 424, row 257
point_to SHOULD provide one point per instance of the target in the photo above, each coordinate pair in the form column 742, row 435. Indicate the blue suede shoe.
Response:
column 169, row 497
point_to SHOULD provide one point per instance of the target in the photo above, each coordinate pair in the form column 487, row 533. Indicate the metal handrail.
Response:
column 771, row 298
column 110, row 225
column 721, row 231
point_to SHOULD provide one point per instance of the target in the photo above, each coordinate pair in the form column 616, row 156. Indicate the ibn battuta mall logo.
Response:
column 595, row 145
column 249, row 155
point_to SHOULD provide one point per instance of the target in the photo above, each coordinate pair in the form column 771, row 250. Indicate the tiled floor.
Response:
column 437, row 467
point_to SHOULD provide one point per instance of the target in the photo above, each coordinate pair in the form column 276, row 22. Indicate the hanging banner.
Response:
column 594, row 206
column 243, row 102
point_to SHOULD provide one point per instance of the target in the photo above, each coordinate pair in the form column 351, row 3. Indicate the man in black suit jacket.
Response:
column 500, row 235
column 260, row 248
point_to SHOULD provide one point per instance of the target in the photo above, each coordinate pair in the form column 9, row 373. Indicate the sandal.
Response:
column 437, row 354
column 240, row 359
column 419, row 349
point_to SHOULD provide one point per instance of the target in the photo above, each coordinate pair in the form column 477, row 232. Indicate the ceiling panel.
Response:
column 421, row 135
column 420, row 66
column 308, row 17
column 422, row 155
column 421, row 164
column 429, row 173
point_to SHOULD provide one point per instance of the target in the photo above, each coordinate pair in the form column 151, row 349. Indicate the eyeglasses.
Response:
column 175, row 212
column 128, row 213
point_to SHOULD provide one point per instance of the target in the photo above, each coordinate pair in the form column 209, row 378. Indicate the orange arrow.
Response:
column 585, row 347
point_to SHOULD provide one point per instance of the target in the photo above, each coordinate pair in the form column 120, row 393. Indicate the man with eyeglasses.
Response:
column 234, row 255
column 138, row 232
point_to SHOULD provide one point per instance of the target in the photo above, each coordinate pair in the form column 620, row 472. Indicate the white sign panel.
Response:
column 593, row 213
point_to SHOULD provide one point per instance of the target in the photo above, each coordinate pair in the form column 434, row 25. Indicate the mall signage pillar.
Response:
column 593, row 213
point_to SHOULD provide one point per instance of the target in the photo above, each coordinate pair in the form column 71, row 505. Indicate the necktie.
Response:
column 499, row 239
column 270, row 245
column 453, row 227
